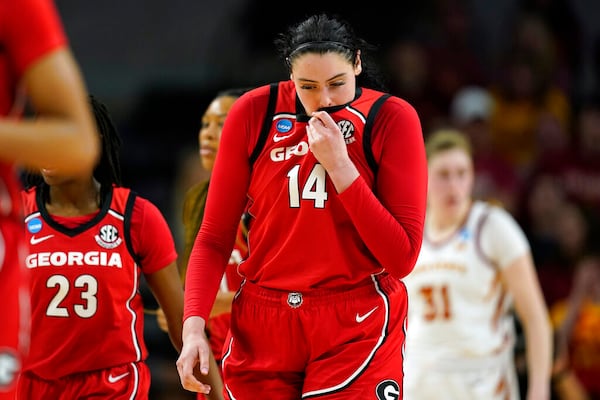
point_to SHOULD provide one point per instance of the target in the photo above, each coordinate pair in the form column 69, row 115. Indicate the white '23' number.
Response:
column 90, row 303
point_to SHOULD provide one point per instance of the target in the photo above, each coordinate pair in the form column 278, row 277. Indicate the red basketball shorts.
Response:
column 123, row 382
column 324, row 344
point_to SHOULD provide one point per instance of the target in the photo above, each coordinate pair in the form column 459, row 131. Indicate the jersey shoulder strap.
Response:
column 127, row 225
column 367, row 148
column 266, row 126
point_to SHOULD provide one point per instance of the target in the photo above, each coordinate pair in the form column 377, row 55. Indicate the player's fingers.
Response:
column 185, row 369
column 203, row 360
column 310, row 131
column 324, row 118
column 187, row 362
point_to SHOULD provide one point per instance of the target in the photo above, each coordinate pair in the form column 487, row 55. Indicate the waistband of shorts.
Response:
column 319, row 297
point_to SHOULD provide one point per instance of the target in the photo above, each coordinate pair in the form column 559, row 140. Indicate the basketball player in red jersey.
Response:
column 90, row 242
column 217, row 327
column 36, row 65
column 334, row 177
column 209, row 138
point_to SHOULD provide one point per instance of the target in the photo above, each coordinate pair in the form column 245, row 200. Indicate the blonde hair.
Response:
column 447, row 139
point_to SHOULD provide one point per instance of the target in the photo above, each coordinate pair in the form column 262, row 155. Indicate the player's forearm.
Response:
column 386, row 236
column 175, row 335
column 202, row 279
column 56, row 143
column 539, row 354
column 343, row 176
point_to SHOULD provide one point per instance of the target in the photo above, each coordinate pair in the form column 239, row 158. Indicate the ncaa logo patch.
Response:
column 283, row 125
column 388, row 390
column 108, row 237
column 465, row 234
column 347, row 128
column 34, row 225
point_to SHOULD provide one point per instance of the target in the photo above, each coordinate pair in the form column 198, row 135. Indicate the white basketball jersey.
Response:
column 459, row 313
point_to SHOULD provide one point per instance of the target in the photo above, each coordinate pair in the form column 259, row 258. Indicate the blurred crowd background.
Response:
column 521, row 77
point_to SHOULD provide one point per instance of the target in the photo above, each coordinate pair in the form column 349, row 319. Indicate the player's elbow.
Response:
column 401, row 266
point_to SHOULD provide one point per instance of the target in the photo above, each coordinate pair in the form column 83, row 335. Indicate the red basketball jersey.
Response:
column 86, row 306
column 303, row 234
column 289, row 184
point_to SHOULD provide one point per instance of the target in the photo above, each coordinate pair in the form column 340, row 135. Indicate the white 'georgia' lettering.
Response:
column 71, row 258
column 285, row 153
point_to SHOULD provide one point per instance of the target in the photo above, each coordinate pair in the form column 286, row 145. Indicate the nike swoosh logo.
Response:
column 361, row 318
column 35, row 240
column 113, row 379
column 280, row 138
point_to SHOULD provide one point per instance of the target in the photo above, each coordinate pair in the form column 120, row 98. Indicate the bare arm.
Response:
column 63, row 135
column 166, row 287
column 522, row 283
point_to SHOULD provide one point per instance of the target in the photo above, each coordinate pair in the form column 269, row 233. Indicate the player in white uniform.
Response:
column 475, row 265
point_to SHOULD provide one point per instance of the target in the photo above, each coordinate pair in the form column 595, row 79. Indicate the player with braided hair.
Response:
column 91, row 240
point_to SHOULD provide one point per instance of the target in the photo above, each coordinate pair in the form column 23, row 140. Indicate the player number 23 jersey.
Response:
column 84, row 283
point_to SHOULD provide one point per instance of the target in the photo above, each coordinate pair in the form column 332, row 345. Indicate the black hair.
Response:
column 322, row 34
column 108, row 170
column 234, row 92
